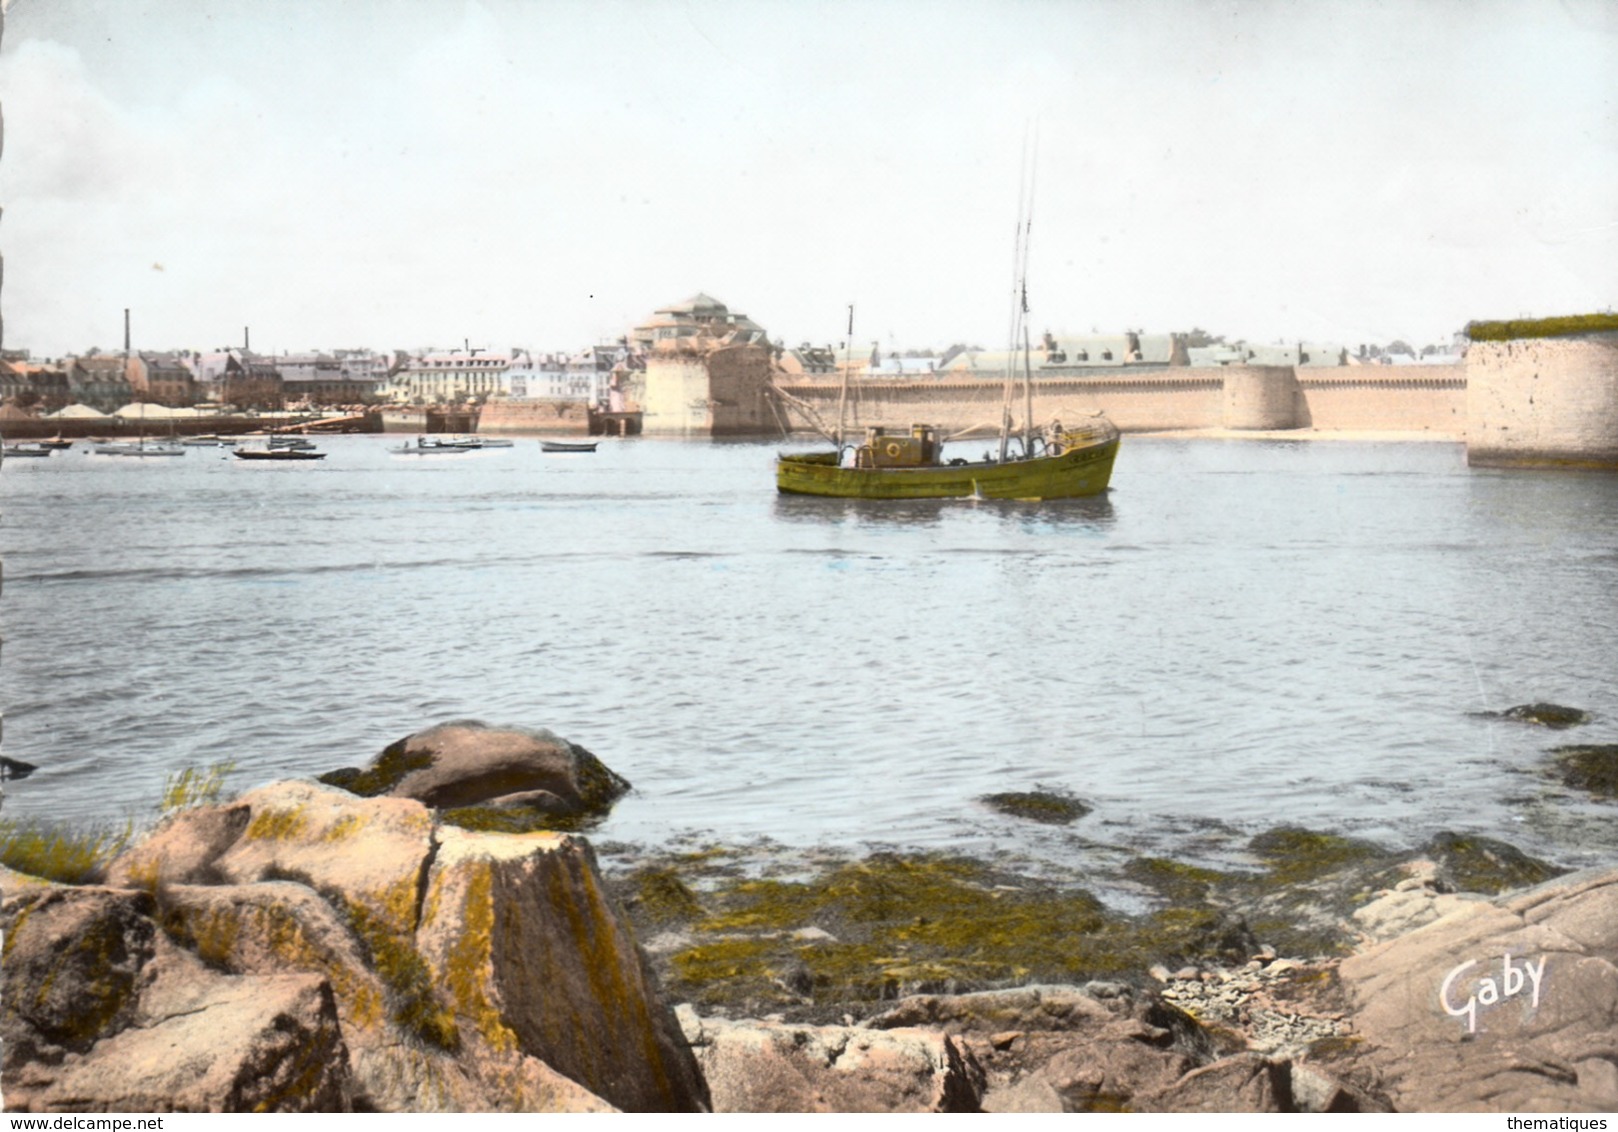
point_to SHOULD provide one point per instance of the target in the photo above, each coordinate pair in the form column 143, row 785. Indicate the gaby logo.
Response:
column 1514, row 979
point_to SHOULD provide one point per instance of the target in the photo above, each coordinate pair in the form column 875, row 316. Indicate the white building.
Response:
column 450, row 377
column 585, row 377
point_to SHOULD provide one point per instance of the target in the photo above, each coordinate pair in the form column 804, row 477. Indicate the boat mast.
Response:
column 848, row 363
column 1019, row 312
column 140, row 429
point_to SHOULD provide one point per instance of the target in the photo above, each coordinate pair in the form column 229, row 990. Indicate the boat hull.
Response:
column 278, row 454
column 1077, row 472
column 139, row 450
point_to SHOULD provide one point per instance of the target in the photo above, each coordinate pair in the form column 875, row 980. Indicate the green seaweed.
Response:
column 1174, row 880
column 1592, row 767
column 516, row 819
column 599, row 785
column 1554, row 716
column 389, row 769
column 1046, row 806
column 1292, row 854
column 1482, row 864
column 664, row 898
column 412, row 993
column 899, row 924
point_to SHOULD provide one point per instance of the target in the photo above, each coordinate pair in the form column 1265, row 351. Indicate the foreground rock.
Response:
column 104, row 1012
column 1497, row 1006
column 780, row 1067
column 466, row 765
column 457, row 971
column 531, row 956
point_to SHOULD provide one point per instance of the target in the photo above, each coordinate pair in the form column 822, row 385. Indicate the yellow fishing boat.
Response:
column 1065, row 463
column 1048, row 463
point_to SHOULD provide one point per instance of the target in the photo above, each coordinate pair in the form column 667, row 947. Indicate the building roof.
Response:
column 699, row 305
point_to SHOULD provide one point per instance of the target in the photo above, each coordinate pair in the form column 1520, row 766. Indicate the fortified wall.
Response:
column 1536, row 392
column 694, row 389
column 1545, row 402
column 1169, row 398
column 559, row 418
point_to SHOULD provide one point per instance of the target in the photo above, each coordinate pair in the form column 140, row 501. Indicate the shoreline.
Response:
column 438, row 937
column 1363, row 435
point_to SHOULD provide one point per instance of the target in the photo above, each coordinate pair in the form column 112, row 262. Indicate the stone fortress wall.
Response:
column 1524, row 401
column 1169, row 398
column 1543, row 402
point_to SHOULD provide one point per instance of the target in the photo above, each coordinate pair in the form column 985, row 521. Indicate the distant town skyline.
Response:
column 404, row 174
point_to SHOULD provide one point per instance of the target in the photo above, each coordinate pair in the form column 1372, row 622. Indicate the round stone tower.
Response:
column 1543, row 402
column 1260, row 397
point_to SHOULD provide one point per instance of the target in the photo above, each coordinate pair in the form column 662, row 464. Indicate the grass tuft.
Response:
column 194, row 786
column 1503, row 330
column 55, row 852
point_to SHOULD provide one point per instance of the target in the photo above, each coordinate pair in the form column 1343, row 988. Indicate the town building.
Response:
column 807, row 359
column 449, row 378
column 162, row 379
column 36, row 386
column 100, row 381
column 700, row 316
column 347, row 377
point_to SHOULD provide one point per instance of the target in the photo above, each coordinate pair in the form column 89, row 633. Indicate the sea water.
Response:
column 1241, row 634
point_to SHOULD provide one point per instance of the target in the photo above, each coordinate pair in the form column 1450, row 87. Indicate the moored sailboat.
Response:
column 1066, row 463
column 1049, row 462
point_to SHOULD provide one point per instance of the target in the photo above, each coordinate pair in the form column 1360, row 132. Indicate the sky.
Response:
column 399, row 174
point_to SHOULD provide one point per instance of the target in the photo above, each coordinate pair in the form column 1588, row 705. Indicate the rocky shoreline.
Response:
column 419, row 935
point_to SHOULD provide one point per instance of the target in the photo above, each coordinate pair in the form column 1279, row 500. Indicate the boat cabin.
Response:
column 883, row 449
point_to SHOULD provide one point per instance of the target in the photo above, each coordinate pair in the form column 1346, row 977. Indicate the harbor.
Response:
column 757, row 664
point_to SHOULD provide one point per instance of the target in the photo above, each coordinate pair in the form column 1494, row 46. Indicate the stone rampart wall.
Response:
column 1384, row 398
column 1155, row 399
column 1168, row 398
column 1543, row 401
column 559, row 418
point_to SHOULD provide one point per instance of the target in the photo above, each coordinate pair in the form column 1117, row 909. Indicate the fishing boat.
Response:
column 1052, row 461
column 567, row 446
column 138, row 448
column 1065, row 463
column 427, row 447
column 12, row 450
column 278, row 452
column 469, row 443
